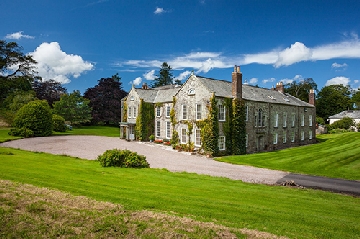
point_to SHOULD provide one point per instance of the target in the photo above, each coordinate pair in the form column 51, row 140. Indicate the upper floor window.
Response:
column 302, row 120
column 310, row 120
column 134, row 112
column 184, row 112
column 221, row 113
column 221, row 143
column 284, row 119
column 259, row 118
column 292, row 120
column 246, row 113
column 198, row 112
column 129, row 112
column 276, row 120
column 167, row 111
column 158, row 112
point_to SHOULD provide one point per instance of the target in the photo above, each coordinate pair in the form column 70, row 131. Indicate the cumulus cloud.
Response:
column 338, row 80
column 137, row 81
column 159, row 10
column 183, row 75
column 55, row 64
column 150, row 75
column 253, row 80
column 339, row 67
column 268, row 80
column 18, row 35
column 295, row 53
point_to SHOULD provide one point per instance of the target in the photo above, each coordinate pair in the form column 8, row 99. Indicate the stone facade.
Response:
column 274, row 120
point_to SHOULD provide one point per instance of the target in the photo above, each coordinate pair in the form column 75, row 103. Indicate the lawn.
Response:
column 336, row 156
column 98, row 130
column 292, row 212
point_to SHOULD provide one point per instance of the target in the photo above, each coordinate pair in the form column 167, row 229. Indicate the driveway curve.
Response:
column 158, row 156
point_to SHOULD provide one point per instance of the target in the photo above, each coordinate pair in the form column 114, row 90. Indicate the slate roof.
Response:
column 159, row 94
column 223, row 88
column 354, row 114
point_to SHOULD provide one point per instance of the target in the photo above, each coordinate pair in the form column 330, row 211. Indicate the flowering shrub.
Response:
column 158, row 141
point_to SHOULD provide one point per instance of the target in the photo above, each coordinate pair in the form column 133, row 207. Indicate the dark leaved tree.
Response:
column 50, row 90
column 165, row 76
column 105, row 100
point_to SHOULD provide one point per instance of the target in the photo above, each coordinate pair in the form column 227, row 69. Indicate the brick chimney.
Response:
column 280, row 87
column 236, row 84
column 312, row 97
column 144, row 86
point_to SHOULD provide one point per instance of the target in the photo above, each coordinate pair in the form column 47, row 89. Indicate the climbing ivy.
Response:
column 145, row 125
column 125, row 108
column 175, row 135
column 210, row 130
column 239, row 127
column 228, row 125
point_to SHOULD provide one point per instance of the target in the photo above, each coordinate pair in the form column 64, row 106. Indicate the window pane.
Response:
column 158, row 128
column 184, row 112
column 198, row 112
column 198, row 137
column 183, row 136
column 221, row 112
column 168, row 129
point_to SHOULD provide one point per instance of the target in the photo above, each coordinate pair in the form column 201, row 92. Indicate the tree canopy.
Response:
column 165, row 76
column 333, row 99
column 74, row 108
column 301, row 88
column 105, row 100
column 50, row 90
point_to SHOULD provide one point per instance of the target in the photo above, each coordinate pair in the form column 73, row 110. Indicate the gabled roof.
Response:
column 354, row 114
column 223, row 88
column 159, row 94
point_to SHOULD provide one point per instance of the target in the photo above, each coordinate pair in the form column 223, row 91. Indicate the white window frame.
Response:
column 134, row 112
column 197, row 137
column 184, row 112
column 302, row 120
column 247, row 140
column 198, row 112
column 310, row 120
column 292, row 120
column 168, row 129
column 158, row 128
column 284, row 119
column 129, row 112
column 310, row 134
column 221, row 142
column 168, row 109
column 284, row 137
column 292, row 137
column 275, row 139
column 183, row 136
column 247, row 113
column 302, row 135
column 158, row 111
column 222, row 112
column 276, row 123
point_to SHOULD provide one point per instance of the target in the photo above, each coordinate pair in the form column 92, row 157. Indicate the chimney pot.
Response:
column 236, row 84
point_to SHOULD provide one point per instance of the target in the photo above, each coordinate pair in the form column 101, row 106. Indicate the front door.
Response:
column 131, row 132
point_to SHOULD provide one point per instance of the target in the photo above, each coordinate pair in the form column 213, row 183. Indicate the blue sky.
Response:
column 78, row 42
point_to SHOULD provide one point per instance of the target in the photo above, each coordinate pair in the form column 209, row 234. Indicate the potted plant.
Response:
column 152, row 138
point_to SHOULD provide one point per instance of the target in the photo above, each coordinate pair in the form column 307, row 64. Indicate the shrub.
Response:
column 35, row 116
column 58, row 123
column 344, row 123
column 123, row 159
column 22, row 132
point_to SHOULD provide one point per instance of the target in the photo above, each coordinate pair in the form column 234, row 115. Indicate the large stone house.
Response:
column 274, row 120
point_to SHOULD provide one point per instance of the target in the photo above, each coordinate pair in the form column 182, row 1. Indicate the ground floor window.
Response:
column 157, row 128
column 168, row 127
column 221, row 143
column 247, row 140
column 310, row 134
column 284, row 137
column 302, row 135
column 292, row 137
column 275, row 139
column 183, row 136
column 198, row 137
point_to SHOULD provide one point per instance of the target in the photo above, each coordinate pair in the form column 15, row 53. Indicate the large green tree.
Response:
column 17, row 70
column 301, row 89
column 49, row 90
column 105, row 100
column 74, row 108
column 333, row 99
column 165, row 76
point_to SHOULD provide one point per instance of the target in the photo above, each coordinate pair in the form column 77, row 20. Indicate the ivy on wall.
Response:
column 124, row 111
column 145, row 125
column 210, row 130
column 175, row 135
column 228, row 125
column 238, row 127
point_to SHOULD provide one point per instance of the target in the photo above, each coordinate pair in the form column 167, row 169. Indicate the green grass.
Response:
column 337, row 156
column 98, row 130
column 4, row 136
column 296, row 213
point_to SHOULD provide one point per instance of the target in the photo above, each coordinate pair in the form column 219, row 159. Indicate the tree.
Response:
column 355, row 99
column 17, row 70
column 332, row 100
column 35, row 117
column 301, row 89
column 50, row 90
column 105, row 100
column 165, row 76
column 74, row 108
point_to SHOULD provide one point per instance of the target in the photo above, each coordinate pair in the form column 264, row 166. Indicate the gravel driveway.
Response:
column 158, row 156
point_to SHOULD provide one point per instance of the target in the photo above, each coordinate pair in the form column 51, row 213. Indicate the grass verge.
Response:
column 98, row 130
column 295, row 213
column 337, row 156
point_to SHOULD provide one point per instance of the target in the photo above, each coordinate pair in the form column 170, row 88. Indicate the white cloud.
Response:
column 265, row 58
column 338, row 80
column 268, row 80
column 296, row 53
column 18, row 35
column 137, row 81
column 150, row 75
column 183, row 75
column 336, row 65
column 253, row 80
column 159, row 10
column 55, row 64
column 356, row 81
